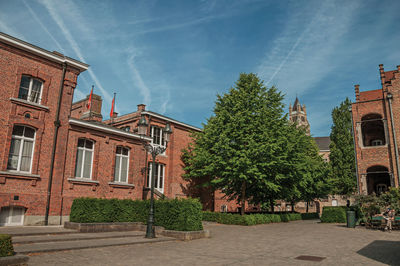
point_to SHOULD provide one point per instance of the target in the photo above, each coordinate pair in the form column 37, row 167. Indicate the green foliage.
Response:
column 6, row 247
column 333, row 214
column 176, row 214
column 253, row 219
column 309, row 216
column 370, row 205
column 249, row 151
column 342, row 151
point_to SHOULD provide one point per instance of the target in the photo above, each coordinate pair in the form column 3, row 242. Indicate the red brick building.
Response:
column 36, row 91
column 53, row 150
column 376, row 123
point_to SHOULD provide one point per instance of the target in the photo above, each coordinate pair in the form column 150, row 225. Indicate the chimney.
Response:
column 141, row 107
column 398, row 68
column 357, row 90
column 382, row 74
column 94, row 112
column 115, row 115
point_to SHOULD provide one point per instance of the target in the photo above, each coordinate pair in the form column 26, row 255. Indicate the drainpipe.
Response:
column 389, row 96
column 354, row 145
column 57, row 124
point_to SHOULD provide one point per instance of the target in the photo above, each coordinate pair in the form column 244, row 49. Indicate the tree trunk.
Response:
column 292, row 203
column 307, row 207
column 271, row 203
column 243, row 198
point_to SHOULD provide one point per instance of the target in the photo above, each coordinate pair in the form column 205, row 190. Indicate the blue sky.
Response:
column 175, row 56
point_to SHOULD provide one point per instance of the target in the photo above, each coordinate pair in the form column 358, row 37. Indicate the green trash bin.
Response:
column 351, row 219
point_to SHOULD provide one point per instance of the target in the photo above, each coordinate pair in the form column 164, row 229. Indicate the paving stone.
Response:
column 271, row 244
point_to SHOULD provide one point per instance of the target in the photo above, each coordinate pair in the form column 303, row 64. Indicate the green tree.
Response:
column 306, row 172
column 342, row 150
column 243, row 145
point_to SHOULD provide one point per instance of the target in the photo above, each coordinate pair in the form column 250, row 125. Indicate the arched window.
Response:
column 84, row 159
column 121, row 165
column 373, row 130
column 30, row 89
column 21, row 150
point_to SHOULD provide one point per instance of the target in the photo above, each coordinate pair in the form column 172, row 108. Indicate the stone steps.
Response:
column 27, row 239
column 83, row 241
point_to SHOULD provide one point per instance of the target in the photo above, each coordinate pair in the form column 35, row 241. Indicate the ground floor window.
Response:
column 159, row 176
column 12, row 216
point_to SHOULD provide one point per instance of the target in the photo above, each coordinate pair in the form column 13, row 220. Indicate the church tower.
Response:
column 298, row 114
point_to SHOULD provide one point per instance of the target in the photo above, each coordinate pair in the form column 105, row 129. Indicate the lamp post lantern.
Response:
column 153, row 150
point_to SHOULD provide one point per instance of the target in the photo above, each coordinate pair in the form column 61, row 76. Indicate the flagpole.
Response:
column 90, row 107
column 112, row 109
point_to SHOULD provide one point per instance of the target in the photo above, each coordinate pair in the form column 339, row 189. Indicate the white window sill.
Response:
column 16, row 174
column 25, row 102
column 121, row 185
column 83, row 181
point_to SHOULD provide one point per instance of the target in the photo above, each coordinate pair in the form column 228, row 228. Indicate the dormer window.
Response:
column 30, row 89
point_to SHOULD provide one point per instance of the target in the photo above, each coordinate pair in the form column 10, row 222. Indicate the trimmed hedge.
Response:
column 253, row 219
column 6, row 247
column 335, row 214
column 176, row 214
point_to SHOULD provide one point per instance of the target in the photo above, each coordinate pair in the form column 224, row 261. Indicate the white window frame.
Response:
column 31, row 79
column 381, row 188
column 157, row 184
column 162, row 140
column 121, row 155
column 376, row 142
column 9, row 216
column 84, row 150
column 23, row 139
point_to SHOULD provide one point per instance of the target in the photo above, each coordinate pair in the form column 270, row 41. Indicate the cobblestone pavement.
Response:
column 271, row 244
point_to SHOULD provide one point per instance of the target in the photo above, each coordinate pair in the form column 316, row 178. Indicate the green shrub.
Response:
column 333, row 214
column 253, row 219
column 6, row 247
column 176, row 214
column 309, row 216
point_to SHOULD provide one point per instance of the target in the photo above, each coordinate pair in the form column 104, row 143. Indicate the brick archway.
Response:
column 378, row 179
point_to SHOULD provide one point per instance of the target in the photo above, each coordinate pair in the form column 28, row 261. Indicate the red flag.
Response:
column 112, row 107
column 90, row 99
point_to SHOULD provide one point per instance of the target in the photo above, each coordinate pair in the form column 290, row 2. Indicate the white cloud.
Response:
column 56, row 16
column 296, row 64
column 137, row 78
column 35, row 17
column 8, row 30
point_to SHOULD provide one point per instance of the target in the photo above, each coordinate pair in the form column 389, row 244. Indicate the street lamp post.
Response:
column 154, row 150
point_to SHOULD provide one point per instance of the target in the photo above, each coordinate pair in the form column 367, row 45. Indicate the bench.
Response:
column 378, row 222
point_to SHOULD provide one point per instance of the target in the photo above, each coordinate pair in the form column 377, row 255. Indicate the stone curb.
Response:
column 16, row 260
column 135, row 226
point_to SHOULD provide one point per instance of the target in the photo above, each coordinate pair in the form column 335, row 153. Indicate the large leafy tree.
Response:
column 305, row 171
column 342, row 150
column 243, row 144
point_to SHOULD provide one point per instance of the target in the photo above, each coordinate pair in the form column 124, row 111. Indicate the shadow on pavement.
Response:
column 383, row 251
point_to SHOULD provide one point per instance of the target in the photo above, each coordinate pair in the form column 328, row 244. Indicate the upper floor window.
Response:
column 121, row 165
column 127, row 128
column 30, row 89
column 158, row 176
column 373, row 130
column 84, row 159
column 21, row 150
column 157, row 136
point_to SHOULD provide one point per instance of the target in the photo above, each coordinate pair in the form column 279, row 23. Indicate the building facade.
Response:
column 36, row 91
column 53, row 151
column 376, row 120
